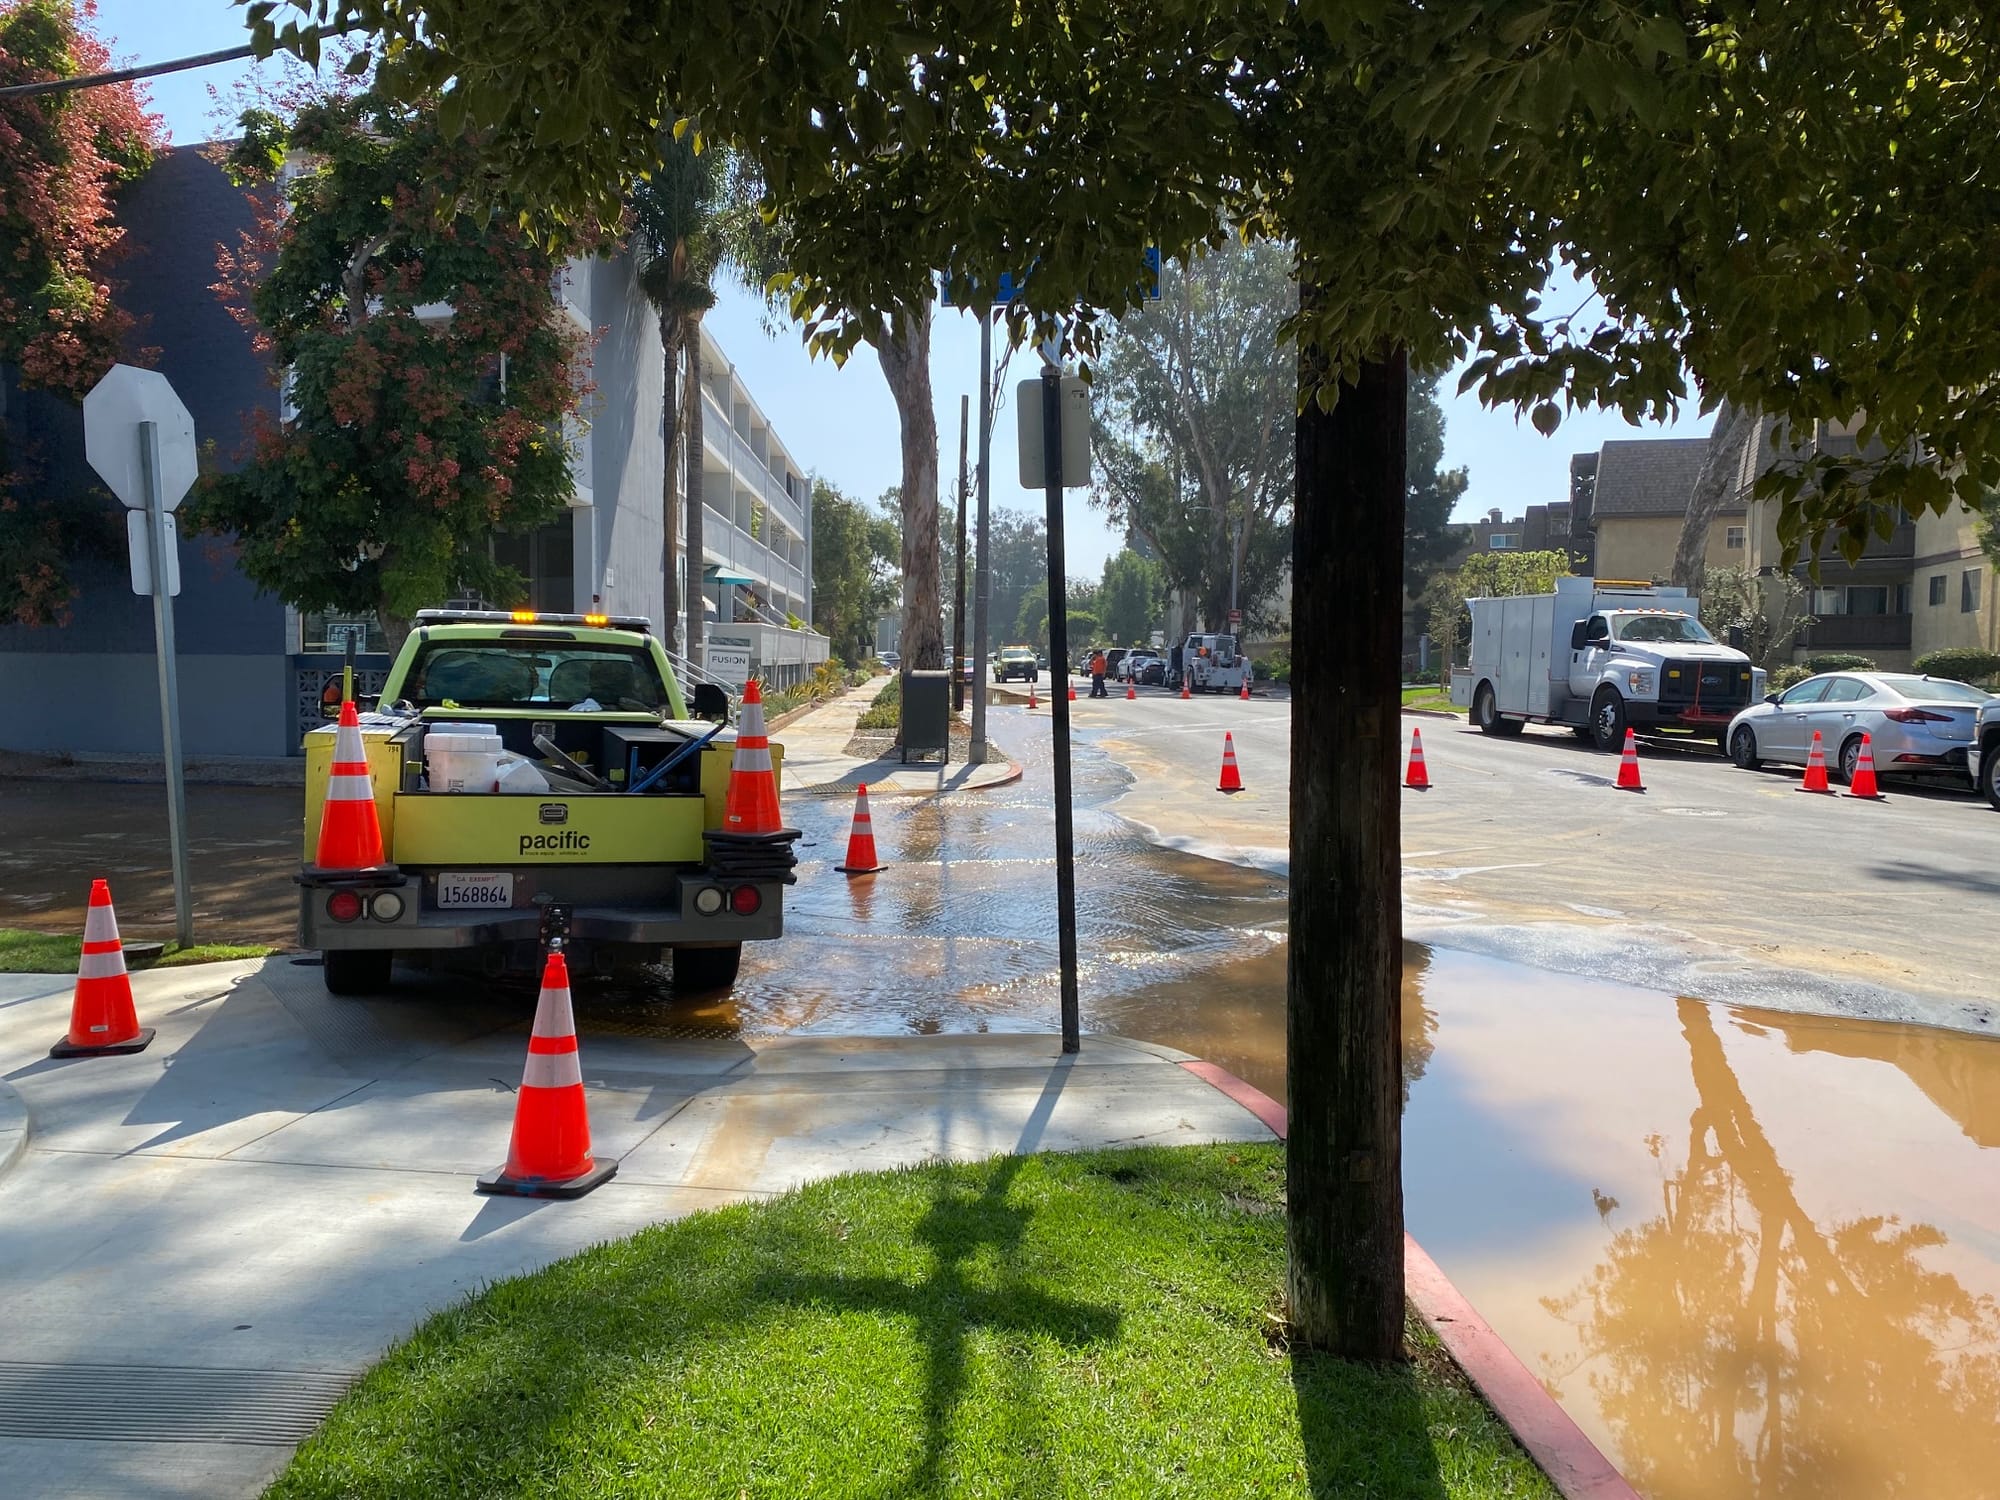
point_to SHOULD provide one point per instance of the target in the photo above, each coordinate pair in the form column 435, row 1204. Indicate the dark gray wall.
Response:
column 174, row 218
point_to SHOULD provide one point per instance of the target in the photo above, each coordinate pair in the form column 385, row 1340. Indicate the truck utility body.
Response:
column 1600, row 657
column 1210, row 664
column 594, row 818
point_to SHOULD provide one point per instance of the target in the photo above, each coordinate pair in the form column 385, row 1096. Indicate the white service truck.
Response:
column 1211, row 664
column 1601, row 656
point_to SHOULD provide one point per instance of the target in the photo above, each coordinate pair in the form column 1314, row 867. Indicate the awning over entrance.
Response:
column 723, row 575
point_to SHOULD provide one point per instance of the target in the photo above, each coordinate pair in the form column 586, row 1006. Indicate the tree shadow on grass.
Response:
column 1365, row 1430
column 947, row 1306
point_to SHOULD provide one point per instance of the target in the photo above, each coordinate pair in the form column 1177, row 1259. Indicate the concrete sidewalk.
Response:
column 817, row 763
column 203, row 1243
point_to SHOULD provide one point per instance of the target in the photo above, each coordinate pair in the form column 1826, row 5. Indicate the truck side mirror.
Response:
column 1578, row 635
column 710, row 703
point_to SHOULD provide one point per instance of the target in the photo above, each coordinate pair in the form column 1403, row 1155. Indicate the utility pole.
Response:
column 958, row 608
column 1052, row 480
column 983, row 588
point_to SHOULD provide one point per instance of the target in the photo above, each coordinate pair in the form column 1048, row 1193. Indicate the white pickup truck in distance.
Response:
column 1601, row 657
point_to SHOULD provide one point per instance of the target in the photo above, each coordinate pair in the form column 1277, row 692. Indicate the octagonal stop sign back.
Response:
column 112, row 412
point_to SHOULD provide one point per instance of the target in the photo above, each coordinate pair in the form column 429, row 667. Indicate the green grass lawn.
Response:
column 49, row 953
column 1098, row 1324
column 1427, row 697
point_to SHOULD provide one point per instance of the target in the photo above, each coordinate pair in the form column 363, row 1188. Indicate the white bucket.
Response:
column 462, row 762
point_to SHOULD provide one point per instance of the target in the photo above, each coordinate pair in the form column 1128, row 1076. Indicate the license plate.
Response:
column 459, row 890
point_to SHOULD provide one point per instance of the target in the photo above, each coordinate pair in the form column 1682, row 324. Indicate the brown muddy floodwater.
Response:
column 1756, row 1255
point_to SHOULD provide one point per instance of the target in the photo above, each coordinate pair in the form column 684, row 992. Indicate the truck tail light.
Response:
column 343, row 906
column 708, row 900
column 386, row 907
column 746, row 900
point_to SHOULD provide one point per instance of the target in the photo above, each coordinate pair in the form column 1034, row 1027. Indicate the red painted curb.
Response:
column 1551, row 1437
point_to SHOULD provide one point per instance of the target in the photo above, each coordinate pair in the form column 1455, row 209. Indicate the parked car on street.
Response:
column 1113, row 655
column 1983, row 757
column 890, row 659
column 1917, row 726
column 1134, row 666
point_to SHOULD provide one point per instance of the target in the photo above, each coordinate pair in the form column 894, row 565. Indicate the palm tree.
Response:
column 675, row 213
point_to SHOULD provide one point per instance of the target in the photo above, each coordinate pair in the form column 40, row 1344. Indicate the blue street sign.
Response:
column 965, row 292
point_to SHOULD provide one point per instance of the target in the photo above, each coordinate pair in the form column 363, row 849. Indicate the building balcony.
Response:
column 729, row 545
column 1856, row 633
column 728, row 445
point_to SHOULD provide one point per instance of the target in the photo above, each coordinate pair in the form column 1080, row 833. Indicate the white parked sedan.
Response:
column 1916, row 725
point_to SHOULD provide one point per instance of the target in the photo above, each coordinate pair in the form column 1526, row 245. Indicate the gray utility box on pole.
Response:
column 926, row 714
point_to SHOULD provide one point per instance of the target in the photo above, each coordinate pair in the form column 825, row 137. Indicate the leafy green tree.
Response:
column 1769, row 611
column 1433, row 490
column 414, row 441
column 854, row 581
column 1431, row 162
column 676, row 215
column 63, row 156
column 1130, row 597
column 1193, row 426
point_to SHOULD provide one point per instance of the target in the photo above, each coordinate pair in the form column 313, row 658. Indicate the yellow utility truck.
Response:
column 540, row 779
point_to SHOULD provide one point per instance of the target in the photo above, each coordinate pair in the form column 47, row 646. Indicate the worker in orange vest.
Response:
column 1097, row 671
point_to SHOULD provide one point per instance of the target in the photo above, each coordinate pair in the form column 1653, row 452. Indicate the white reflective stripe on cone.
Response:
column 347, row 744
column 551, row 1070
column 552, row 1014
column 752, row 760
column 751, row 721
column 349, row 789
column 100, row 966
column 100, row 925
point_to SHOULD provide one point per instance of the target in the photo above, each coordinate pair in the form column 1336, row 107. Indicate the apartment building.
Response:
column 1637, row 492
column 251, row 668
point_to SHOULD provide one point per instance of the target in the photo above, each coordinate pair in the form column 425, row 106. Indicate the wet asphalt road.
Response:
column 1755, row 1254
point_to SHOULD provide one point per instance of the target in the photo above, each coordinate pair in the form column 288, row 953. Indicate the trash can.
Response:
column 926, row 715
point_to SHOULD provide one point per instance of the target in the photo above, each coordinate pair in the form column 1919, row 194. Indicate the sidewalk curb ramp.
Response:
column 13, row 1125
column 1548, row 1433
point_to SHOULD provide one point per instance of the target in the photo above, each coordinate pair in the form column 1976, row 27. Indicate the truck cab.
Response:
column 539, row 777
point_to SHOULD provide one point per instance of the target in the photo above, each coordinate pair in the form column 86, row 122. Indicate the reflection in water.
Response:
column 1736, row 1345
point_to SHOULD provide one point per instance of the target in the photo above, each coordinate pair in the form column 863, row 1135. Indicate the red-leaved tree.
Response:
column 62, row 158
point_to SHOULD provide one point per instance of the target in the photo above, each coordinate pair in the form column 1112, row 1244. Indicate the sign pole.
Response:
column 983, row 588
column 170, row 693
column 958, row 608
column 1052, row 478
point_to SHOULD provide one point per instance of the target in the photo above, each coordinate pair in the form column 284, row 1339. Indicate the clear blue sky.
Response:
column 841, row 424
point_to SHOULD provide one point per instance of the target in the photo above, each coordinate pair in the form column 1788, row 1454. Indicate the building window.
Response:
column 1870, row 599
column 1732, row 538
column 1828, row 602
column 1502, row 541
column 1902, row 599
column 1937, row 590
column 331, row 632
column 1968, row 590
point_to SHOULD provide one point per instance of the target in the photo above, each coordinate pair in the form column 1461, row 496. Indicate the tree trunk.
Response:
column 1716, row 485
column 695, row 467
column 670, row 495
column 1344, row 1169
column 905, row 352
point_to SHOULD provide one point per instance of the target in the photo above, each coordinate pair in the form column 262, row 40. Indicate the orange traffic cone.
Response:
column 861, row 858
column 1862, row 783
column 1628, row 765
column 1033, row 702
column 1072, row 692
column 1419, row 777
column 752, row 803
column 549, row 1155
column 1246, row 687
column 1131, row 691
column 1184, row 686
column 1815, row 780
column 350, row 837
column 1232, row 779
column 101, row 1017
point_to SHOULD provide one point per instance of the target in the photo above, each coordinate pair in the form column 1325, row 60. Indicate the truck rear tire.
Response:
column 1485, row 712
column 1607, row 719
column 699, row 969
column 356, row 971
